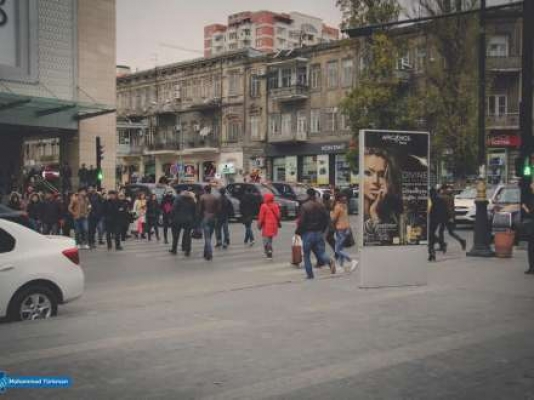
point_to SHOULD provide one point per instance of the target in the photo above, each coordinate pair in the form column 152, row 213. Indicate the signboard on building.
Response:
column 323, row 169
column 394, row 178
column 504, row 140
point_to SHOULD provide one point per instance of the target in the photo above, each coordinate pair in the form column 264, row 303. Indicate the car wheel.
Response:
column 33, row 302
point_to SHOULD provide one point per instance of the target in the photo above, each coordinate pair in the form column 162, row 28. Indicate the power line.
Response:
column 176, row 47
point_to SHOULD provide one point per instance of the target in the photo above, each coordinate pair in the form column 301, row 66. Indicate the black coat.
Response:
column 152, row 210
column 184, row 210
column 226, row 209
column 112, row 212
column 35, row 210
column 51, row 212
column 249, row 207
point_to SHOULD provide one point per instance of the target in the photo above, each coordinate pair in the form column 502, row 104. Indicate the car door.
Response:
column 8, row 269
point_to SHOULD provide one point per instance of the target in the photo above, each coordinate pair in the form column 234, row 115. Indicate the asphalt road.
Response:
column 156, row 326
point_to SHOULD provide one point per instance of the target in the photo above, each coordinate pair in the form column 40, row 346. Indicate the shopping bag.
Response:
column 196, row 233
column 296, row 250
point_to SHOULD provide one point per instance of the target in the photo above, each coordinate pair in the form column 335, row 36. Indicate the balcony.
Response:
column 505, row 121
column 164, row 146
column 129, row 150
column 289, row 137
column 208, row 104
column 289, row 93
column 504, row 64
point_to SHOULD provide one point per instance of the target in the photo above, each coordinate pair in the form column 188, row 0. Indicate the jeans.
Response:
column 341, row 236
column 268, row 245
column 314, row 241
column 80, row 227
column 152, row 223
column 208, row 226
column 96, row 225
column 221, row 229
column 51, row 229
column 113, row 232
column 186, row 237
column 450, row 228
column 249, row 234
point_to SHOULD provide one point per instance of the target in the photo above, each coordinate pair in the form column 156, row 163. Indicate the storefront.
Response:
column 319, row 164
column 502, row 151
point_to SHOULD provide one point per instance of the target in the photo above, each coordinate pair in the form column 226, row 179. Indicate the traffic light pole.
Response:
column 99, row 157
column 481, row 243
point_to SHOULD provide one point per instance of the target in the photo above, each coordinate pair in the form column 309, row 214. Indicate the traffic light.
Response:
column 99, row 175
column 99, row 153
column 523, row 167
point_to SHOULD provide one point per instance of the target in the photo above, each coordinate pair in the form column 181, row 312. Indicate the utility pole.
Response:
column 481, row 245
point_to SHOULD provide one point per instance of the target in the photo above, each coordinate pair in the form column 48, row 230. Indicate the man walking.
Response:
column 448, row 199
column 312, row 224
column 209, row 206
column 112, row 219
column 79, row 208
column 183, row 217
column 249, row 209
column 226, row 210
column 96, row 217
column 51, row 212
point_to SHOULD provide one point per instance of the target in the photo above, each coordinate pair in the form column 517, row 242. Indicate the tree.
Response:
column 368, row 12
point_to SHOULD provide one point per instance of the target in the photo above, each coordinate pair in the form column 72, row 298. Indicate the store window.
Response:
column 279, row 169
column 309, row 170
column 342, row 170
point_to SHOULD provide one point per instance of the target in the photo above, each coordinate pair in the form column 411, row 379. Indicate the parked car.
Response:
column 198, row 189
column 132, row 190
column 36, row 273
column 465, row 207
column 20, row 217
column 507, row 199
column 288, row 208
column 292, row 191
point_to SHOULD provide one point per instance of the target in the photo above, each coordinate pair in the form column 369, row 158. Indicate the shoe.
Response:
column 269, row 253
column 443, row 248
column 109, row 248
column 353, row 265
column 464, row 244
column 172, row 252
column 208, row 257
column 86, row 247
column 225, row 246
column 432, row 257
column 252, row 243
column 187, row 254
column 218, row 245
column 165, row 241
column 101, row 242
column 529, row 271
column 332, row 267
column 120, row 248
column 310, row 277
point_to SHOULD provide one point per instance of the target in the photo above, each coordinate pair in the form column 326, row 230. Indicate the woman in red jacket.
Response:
column 269, row 222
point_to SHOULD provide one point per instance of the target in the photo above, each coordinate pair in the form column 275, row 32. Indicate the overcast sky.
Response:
column 142, row 25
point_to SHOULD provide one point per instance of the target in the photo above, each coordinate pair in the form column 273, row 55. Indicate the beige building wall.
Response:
column 96, row 79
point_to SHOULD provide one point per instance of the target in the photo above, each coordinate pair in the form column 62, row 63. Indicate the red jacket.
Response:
column 269, row 216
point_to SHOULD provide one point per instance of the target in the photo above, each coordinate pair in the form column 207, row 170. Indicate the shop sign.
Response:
column 227, row 169
column 307, row 149
column 504, row 140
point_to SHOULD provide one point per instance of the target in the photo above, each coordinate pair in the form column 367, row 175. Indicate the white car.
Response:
column 36, row 273
column 465, row 209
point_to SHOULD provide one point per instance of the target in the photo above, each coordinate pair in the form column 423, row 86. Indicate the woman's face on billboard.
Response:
column 375, row 183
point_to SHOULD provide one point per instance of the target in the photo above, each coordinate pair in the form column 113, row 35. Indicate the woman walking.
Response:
column 269, row 222
column 139, row 209
column 152, row 217
column 341, row 224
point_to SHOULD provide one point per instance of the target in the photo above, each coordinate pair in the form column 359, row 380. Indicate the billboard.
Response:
column 394, row 183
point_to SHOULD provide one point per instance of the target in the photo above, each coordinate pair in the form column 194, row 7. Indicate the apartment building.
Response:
column 266, row 31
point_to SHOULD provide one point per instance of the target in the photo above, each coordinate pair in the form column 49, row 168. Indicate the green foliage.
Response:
column 368, row 12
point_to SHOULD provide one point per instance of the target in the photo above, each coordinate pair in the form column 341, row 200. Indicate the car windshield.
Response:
column 509, row 195
column 468, row 194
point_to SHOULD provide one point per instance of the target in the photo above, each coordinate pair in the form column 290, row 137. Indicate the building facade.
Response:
column 57, row 92
column 266, row 31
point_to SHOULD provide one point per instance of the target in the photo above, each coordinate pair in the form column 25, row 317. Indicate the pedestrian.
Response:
column 15, row 202
column 112, row 220
column 153, row 211
column 448, row 199
column 527, row 208
column 96, row 217
column 139, row 209
column 269, row 222
column 80, row 207
column 328, row 202
column 35, row 212
column 208, row 207
column 66, row 216
column 224, row 213
column 313, row 222
column 340, row 221
column 437, row 216
column 125, row 216
column 83, row 176
column 166, row 212
column 249, row 209
column 66, row 176
column 51, row 215
column 183, row 217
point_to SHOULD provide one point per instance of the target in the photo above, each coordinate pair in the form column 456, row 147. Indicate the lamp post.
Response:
column 481, row 243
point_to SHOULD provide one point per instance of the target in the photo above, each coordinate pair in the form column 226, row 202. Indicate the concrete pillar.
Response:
column 158, row 168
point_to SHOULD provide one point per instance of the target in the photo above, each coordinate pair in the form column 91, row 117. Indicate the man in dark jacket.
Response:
column 153, row 212
column 209, row 206
column 438, row 215
column 96, row 221
column 51, row 212
column 112, row 219
column 183, row 218
column 448, row 198
column 224, row 213
column 249, row 209
column 312, row 224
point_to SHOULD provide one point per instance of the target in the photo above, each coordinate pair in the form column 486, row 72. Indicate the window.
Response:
column 286, row 124
column 348, row 72
column 280, row 31
column 315, row 121
column 255, row 85
column 286, row 77
column 234, row 131
column 259, row 43
column 420, row 59
column 497, row 105
column 232, row 46
column 302, row 122
column 273, row 79
column 255, row 133
column 7, row 242
column 316, row 76
column 344, row 123
column 331, row 74
column 233, row 84
column 498, row 46
column 246, row 32
column 403, row 62
column 232, row 36
column 302, row 78
column 330, row 119
column 274, row 124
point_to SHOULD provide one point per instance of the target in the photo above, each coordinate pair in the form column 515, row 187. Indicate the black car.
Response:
column 20, row 217
column 288, row 208
column 292, row 191
column 198, row 189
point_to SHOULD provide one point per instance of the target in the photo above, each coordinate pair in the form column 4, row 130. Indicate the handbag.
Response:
column 349, row 240
column 196, row 233
column 296, row 250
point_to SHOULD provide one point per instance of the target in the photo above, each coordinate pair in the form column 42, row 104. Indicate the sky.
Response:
column 142, row 25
